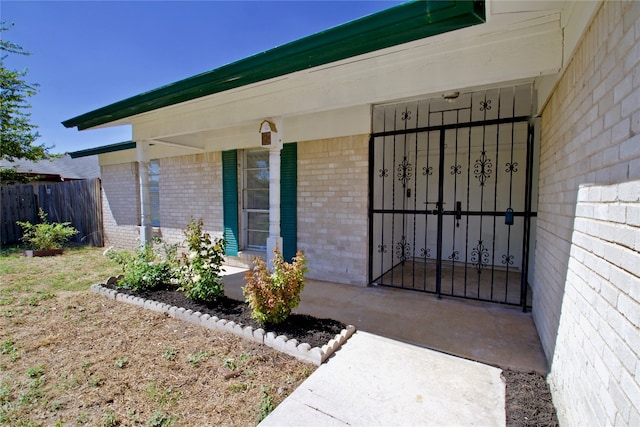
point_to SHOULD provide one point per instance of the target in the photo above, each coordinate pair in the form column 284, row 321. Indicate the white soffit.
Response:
column 512, row 45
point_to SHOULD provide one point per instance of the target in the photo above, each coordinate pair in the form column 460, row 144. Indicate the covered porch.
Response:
column 497, row 335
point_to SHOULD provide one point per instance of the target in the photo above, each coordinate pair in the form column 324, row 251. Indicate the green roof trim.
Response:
column 120, row 146
column 400, row 24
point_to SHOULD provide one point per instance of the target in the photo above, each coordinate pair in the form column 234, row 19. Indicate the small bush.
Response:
column 46, row 235
column 145, row 268
column 273, row 294
column 200, row 277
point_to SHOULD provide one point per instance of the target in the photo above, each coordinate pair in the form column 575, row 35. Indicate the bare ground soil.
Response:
column 78, row 358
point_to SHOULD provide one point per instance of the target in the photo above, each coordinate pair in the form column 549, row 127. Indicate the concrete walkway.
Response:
column 376, row 381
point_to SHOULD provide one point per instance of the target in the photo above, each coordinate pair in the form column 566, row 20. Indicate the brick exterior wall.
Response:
column 332, row 208
column 332, row 203
column 583, row 312
column 596, row 370
column 120, row 205
column 190, row 187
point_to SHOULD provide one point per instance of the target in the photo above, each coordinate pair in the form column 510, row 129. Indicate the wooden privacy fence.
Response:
column 77, row 202
column 18, row 203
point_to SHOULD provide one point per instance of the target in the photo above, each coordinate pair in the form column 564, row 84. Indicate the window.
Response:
column 154, row 192
column 236, row 193
column 256, row 199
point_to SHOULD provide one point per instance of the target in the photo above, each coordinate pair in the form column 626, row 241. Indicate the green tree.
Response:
column 18, row 133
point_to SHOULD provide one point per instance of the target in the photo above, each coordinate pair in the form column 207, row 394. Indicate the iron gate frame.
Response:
column 527, row 214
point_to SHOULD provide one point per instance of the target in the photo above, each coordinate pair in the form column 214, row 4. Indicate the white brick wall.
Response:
column 332, row 203
column 583, row 279
column 190, row 187
column 332, row 208
column 590, row 134
column 596, row 365
column 120, row 205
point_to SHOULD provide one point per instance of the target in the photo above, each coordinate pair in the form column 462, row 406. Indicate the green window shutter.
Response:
column 288, row 199
column 230, row 200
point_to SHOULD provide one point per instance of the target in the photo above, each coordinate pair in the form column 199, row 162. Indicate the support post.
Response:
column 275, row 239
column 146, row 231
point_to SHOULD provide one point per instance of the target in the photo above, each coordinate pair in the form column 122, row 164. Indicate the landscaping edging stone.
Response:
column 301, row 351
column 42, row 252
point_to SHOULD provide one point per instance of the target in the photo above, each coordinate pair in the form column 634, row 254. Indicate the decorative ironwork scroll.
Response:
column 507, row 259
column 405, row 171
column 480, row 257
column 483, row 168
column 403, row 249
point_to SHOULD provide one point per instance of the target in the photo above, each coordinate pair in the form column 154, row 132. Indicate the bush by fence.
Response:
column 77, row 202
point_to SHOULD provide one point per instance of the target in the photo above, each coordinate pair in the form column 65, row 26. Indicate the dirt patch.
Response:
column 528, row 400
column 82, row 359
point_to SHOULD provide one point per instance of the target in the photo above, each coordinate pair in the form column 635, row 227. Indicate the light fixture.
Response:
column 450, row 96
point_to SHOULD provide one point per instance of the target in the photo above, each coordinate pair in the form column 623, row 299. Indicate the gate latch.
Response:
column 508, row 216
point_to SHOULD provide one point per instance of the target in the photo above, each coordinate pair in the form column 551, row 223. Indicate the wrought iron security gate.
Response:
column 451, row 195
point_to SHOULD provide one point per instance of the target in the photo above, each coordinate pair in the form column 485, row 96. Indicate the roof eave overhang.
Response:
column 111, row 148
column 401, row 24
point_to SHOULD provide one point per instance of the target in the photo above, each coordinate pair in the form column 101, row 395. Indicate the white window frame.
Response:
column 245, row 211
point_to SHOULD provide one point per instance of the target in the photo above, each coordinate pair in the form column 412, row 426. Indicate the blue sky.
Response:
column 88, row 54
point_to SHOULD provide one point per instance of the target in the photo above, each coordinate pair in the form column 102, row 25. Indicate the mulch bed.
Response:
column 306, row 329
column 528, row 399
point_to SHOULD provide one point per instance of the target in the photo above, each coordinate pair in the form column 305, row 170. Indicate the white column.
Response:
column 274, row 240
column 145, row 202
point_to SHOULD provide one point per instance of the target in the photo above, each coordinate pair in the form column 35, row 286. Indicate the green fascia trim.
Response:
column 401, row 24
column 120, row 146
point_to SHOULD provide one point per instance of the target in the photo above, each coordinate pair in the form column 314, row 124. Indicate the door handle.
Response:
column 438, row 208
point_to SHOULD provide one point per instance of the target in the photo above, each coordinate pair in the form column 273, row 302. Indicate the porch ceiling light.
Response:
column 450, row 96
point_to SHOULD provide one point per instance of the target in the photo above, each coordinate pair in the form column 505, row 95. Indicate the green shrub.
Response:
column 273, row 294
column 200, row 277
column 145, row 269
column 46, row 235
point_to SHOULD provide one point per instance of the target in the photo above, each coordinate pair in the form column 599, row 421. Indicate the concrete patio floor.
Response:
column 500, row 336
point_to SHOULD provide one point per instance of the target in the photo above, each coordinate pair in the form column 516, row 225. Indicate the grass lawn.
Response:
column 71, row 357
